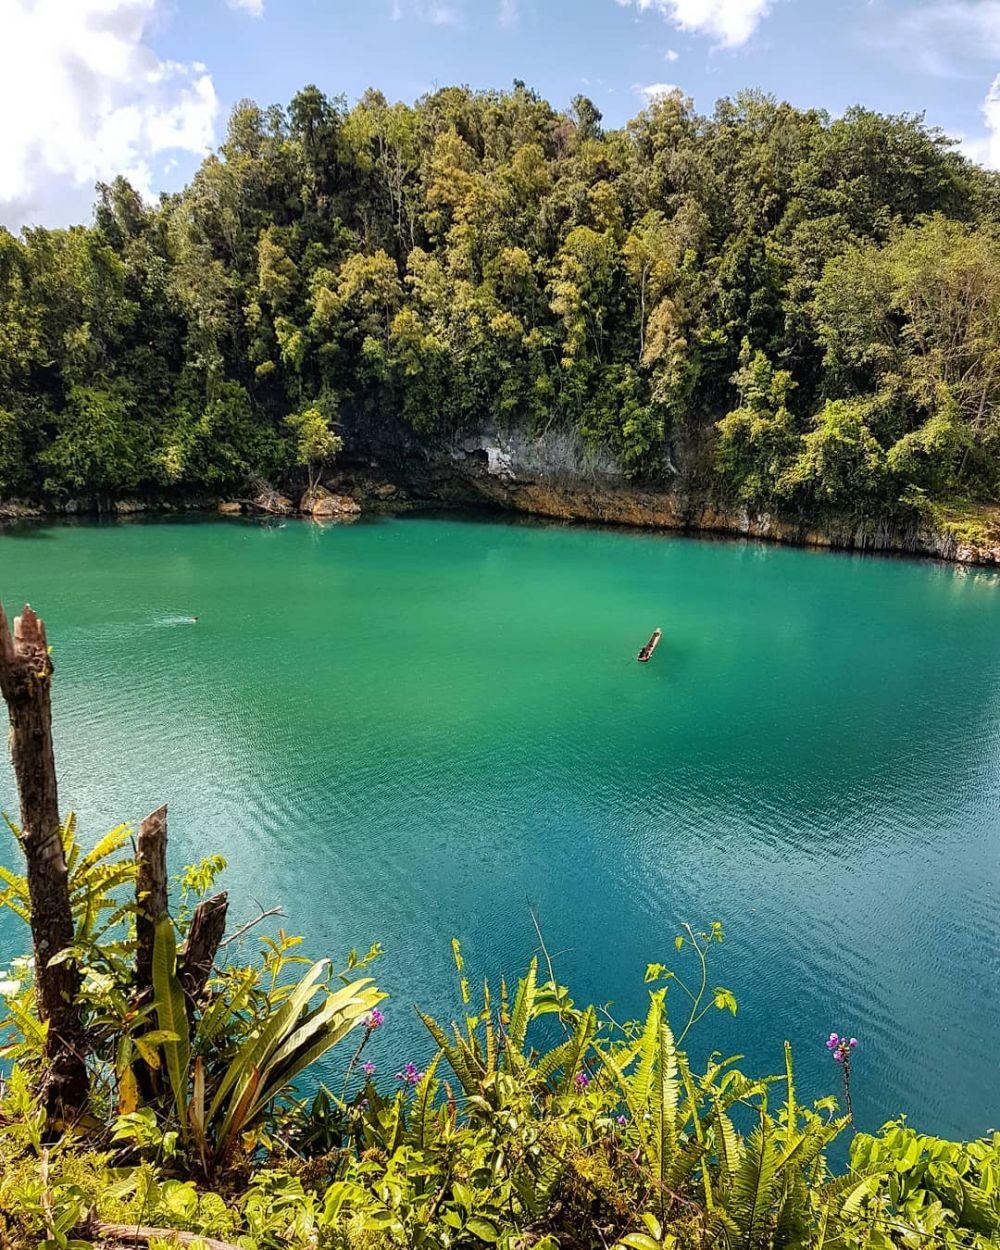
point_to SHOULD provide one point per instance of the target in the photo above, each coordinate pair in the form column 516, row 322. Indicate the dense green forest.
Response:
column 794, row 312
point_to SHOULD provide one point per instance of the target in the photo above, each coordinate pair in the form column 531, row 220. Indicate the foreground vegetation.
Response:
column 150, row 1073
column 601, row 1134
column 766, row 306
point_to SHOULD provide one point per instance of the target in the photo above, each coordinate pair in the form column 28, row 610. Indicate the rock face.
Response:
column 323, row 504
column 387, row 467
column 559, row 476
column 17, row 510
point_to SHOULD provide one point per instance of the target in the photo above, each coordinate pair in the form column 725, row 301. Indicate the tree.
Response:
column 479, row 258
column 841, row 464
column 756, row 440
column 315, row 442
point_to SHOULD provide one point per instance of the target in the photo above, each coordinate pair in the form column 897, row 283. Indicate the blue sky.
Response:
column 89, row 88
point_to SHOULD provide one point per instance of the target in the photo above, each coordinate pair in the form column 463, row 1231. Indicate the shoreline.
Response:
column 655, row 512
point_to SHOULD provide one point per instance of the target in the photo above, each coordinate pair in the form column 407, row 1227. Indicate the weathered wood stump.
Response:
column 25, row 683
column 150, row 893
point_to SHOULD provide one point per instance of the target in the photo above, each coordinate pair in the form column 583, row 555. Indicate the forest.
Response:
column 767, row 305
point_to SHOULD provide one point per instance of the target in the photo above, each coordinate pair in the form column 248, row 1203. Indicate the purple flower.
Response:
column 368, row 1068
column 841, row 1046
column 375, row 1019
column 410, row 1074
column 581, row 1080
column 622, row 1121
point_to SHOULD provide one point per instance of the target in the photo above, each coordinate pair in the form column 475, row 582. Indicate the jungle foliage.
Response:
column 800, row 312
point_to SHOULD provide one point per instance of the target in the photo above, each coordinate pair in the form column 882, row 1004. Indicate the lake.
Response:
column 421, row 727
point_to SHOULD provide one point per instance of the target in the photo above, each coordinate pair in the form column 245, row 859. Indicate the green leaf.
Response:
column 171, row 1015
column 520, row 1017
column 755, row 1184
column 254, row 1052
column 576, row 1048
column 724, row 999
column 484, row 1229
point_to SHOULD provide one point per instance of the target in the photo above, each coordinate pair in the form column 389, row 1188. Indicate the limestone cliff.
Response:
column 558, row 476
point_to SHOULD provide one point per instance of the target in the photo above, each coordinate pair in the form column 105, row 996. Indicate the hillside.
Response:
column 765, row 319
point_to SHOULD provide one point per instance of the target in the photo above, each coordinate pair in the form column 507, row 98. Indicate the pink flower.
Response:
column 374, row 1019
column 841, row 1046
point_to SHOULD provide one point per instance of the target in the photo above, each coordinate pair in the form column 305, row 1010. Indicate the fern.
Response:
column 520, row 1018
column 754, row 1185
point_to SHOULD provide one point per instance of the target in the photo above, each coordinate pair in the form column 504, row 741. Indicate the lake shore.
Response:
column 969, row 537
column 558, row 478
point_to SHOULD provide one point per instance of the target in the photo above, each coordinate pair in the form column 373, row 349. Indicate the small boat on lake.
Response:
column 650, row 647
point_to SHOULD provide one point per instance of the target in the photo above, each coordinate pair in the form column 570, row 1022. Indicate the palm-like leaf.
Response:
column 171, row 1015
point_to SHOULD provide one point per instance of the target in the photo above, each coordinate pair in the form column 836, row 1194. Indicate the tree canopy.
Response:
column 793, row 311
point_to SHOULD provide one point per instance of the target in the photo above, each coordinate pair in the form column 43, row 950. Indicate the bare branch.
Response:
column 271, row 911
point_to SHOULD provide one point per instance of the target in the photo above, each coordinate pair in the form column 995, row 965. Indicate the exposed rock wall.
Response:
column 557, row 476
column 388, row 467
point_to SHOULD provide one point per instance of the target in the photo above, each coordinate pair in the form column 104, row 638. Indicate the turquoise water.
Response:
column 414, row 728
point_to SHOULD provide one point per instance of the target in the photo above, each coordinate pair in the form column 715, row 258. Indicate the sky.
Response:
column 93, row 88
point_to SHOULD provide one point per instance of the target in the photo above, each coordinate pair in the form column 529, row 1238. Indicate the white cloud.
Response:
column 670, row 55
column 254, row 7
column 991, row 111
column 437, row 12
column 986, row 148
column 944, row 35
column 655, row 90
column 731, row 22
column 84, row 97
column 509, row 14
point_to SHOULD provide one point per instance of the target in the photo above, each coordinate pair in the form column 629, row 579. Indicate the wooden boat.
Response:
column 650, row 647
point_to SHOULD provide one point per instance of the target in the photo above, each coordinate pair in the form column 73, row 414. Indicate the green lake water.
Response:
column 416, row 728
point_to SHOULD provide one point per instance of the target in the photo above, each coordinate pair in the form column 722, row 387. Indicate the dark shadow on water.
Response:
column 27, row 529
column 37, row 528
column 486, row 515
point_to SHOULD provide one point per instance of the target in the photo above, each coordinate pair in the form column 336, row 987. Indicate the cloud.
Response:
column 436, row 12
column 986, row 148
column 991, row 111
column 84, row 98
column 943, row 36
column 254, row 7
column 670, row 55
column 508, row 14
column 655, row 90
column 730, row 22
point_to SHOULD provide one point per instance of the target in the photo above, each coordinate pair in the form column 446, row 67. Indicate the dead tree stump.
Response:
column 208, row 927
column 150, row 894
column 25, row 683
